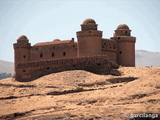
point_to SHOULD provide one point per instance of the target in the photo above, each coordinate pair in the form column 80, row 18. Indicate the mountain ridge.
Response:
column 147, row 58
column 6, row 67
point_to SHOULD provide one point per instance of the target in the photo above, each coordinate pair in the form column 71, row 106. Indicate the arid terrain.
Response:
column 81, row 95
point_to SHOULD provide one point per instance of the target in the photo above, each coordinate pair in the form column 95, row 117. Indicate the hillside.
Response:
column 146, row 58
column 7, row 67
column 81, row 95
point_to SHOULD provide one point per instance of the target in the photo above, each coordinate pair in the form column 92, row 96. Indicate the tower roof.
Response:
column 56, row 40
column 122, row 26
column 89, row 21
column 22, row 37
column 54, row 43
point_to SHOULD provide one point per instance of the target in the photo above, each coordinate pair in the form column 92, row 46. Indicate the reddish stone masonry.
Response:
column 91, row 53
column 34, row 69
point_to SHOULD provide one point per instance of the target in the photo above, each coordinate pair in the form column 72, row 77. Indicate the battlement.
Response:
column 61, row 61
column 35, row 69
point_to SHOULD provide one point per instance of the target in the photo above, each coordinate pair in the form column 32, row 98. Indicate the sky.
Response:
column 46, row 20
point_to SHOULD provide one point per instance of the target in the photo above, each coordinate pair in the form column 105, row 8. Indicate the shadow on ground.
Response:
column 124, row 79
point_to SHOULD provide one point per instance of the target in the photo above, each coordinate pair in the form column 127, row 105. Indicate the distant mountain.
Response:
column 146, row 58
column 6, row 67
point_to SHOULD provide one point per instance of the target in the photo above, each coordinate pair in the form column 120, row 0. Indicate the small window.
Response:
column 126, row 31
column 48, row 68
column 52, row 54
column 24, row 71
column 64, row 53
column 53, row 47
column 99, row 64
column 114, row 46
column 102, row 46
column 118, row 37
column 89, row 31
column 37, row 49
column 74, row 65
column 110, row 47
column 120, row 52
column 41, row 55
column 24, row 56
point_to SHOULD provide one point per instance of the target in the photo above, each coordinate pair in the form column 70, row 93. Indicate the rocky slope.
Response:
column 81, row 95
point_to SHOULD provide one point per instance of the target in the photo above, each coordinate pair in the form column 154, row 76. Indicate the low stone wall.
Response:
column 30, row 70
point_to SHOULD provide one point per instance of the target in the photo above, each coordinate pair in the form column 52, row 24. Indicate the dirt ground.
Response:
column 81, row 95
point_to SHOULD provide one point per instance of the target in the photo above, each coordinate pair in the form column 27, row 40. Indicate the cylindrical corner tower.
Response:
column 21, row 50
column 89, row 39
column 125, row 46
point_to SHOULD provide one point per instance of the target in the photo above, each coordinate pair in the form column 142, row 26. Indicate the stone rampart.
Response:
column 32, row 70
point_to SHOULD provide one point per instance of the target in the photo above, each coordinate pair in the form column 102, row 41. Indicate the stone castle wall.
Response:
column 56, row 56
column 53, row 52
column 89, row 43
column 109, row 48
column 31, row 70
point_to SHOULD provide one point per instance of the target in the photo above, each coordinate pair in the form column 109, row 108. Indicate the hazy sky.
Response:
column 45, row 20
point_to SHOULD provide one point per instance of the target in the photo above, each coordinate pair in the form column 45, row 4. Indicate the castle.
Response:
column 91, row 52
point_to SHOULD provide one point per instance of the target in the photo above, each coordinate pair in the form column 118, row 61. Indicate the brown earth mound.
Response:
column 78, row 94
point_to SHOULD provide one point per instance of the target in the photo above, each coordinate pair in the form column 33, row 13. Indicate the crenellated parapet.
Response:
column 61, row 61
column 35, row 69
